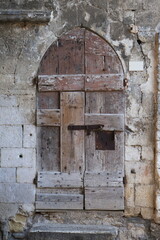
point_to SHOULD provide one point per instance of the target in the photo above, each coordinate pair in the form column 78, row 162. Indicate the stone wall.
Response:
column 130, row 27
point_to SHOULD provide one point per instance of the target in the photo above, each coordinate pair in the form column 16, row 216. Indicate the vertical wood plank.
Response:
column 48, row 151
column 71, row 52
column 72, row 142
column 98, row 51
column 50, row 61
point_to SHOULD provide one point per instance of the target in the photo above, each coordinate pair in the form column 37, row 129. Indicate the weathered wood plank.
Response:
column 94, row 63
column 71, row 52
column 58, row 197
column 104, row 82
column 104, row 198
column 48, row 117
column 60, row 82
column 97, row 48
column 72, row 142
column 40, row 205
column 105, row 160
column 105, row 102
column 48, row 100
column 114, row 160
column 49, row 63
column 103, row 179
column 59, row 180
column 48, row 152
column 60, row 190
column 111, row 122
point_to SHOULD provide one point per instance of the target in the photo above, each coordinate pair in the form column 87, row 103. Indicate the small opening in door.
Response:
column 105, row 140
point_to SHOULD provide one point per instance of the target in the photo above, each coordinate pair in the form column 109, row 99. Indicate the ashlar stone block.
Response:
column 29, row 136
column 17, row 157
column 17, row 193
column 7, row 175
column 129, row 195
column 14, row 115
column 10, row 136
column 147, row 153
column 25, row 175
column 147, row 213
column 144, row 196
column 132, row 153
column 140, row 172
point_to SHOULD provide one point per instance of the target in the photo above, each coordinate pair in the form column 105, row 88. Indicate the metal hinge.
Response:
column 125, row 82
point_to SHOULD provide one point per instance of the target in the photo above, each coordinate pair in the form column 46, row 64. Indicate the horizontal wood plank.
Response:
column 104, row 82
column 58, row 197
column 103, row 179
column 58, row 205
column 59, row 201
column 111, row 122
column 48, row 117
column 60, row 82
column 60, row 180
column 104, row 198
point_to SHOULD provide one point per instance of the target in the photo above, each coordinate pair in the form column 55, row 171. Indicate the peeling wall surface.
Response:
column 27, row 29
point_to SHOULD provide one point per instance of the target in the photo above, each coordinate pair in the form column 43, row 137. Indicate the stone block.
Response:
column 129, row 195
column 138, row 77
column 133, row 153
column 139, row 131
column 139, row 172
column 120, row 32
column 73, row 231
column 132, row 4
column 13, row 115
column 139, row 103
column 20, row 101
column 132, row 211
column 25, row 175
column 17, row 224
column 89, row 16
column 136, row 66
column 137, row 231
column 157, row 201
column 147, row 213
column 8, row 210
column 147, row 153
column 144, row 196
column 17, row 157
column 17, row 193
column 147, row 4
column 10, row 136
column 8, row 101
column 29, row 136
column 147, row 19
column 7, row 175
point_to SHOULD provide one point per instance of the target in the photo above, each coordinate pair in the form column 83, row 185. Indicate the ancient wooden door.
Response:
column 80, row 119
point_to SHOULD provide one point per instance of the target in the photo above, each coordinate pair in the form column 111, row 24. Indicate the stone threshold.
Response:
column 72, row 231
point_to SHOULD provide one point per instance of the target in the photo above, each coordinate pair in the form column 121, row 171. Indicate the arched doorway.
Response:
column 80, row 120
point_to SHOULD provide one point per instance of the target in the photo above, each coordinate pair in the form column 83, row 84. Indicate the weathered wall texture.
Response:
column 130, row 27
